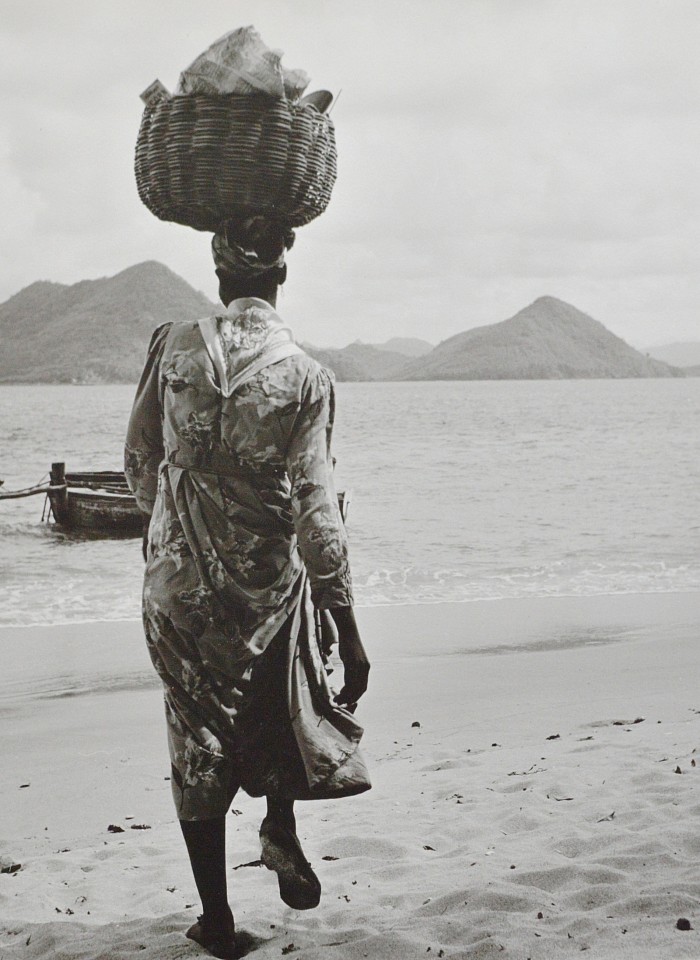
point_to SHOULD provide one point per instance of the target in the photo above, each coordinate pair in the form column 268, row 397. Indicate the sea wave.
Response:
column 80, row 601
column 412, row 585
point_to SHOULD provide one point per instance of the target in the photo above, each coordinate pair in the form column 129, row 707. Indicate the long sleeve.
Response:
column 143, row 451
column 319, row 527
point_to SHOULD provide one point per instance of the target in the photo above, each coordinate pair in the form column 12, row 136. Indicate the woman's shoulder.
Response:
column 170, row 331
column 294, row 383
column 303, row 373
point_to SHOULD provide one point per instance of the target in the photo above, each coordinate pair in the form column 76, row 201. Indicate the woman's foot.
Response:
column 218, row 936
column 299, row 886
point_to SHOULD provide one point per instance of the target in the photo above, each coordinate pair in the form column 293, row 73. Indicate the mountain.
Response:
column 95, row 331
column 369, row 361
column 407, row 346
column 678, row 354
column 548, row 340
column 359, row 361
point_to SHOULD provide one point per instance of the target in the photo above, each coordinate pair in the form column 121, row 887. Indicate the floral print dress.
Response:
column 228, row 450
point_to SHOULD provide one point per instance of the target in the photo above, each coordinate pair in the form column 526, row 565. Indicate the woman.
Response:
column 228, row 456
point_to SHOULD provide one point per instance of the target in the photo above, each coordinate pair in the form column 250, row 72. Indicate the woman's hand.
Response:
column 352, row 653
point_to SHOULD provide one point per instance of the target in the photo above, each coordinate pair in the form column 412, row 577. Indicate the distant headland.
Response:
column 97, row 331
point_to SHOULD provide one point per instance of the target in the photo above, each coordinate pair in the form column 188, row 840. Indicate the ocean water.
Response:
column 459, row 491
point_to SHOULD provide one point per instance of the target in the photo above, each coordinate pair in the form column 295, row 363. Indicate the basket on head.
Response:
column 202, row 160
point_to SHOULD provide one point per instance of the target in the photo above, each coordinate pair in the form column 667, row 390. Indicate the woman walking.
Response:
column 228, row 455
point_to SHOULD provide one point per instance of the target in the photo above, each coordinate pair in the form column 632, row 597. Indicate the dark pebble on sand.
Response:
column 113, row 828
column 683, row 924
column 415, row 723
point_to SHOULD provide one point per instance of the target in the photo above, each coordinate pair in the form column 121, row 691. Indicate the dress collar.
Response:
column 247, row 337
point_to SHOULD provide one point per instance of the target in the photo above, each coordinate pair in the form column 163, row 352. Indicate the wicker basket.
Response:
column 202, row 160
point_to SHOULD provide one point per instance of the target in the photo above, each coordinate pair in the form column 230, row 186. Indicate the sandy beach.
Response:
column 535, row 794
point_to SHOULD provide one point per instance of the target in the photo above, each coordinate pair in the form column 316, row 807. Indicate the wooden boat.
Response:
column 97, row 501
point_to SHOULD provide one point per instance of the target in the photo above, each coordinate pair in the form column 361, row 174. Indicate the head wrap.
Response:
column 252, row 250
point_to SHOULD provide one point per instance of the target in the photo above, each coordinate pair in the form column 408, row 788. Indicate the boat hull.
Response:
column 97, row 502
column 101, row 503
column 92, row 511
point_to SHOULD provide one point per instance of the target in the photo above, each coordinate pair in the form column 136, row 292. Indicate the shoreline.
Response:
column 403, row 602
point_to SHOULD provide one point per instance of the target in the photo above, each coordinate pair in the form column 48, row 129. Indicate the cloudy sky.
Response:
column 490, row 151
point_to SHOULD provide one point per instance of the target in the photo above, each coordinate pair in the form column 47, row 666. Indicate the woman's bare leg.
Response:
column 206, row 846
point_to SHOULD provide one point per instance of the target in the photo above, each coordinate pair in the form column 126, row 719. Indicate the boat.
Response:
column 94, row 502
column 97, row 501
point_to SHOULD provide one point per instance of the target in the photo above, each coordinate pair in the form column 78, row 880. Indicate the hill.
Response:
column 548, row 340
column 95, row 331
column 679, row 354
column 408, row 346
column 359, row 361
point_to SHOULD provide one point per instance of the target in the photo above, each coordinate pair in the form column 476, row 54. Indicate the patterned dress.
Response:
column 228, row 449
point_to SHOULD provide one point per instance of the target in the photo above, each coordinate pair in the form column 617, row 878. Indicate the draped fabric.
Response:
column 228, row 448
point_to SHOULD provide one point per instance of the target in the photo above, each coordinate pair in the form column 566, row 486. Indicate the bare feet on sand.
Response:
column 218, row 937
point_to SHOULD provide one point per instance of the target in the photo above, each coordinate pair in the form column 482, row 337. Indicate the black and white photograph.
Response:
column 349, row 479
